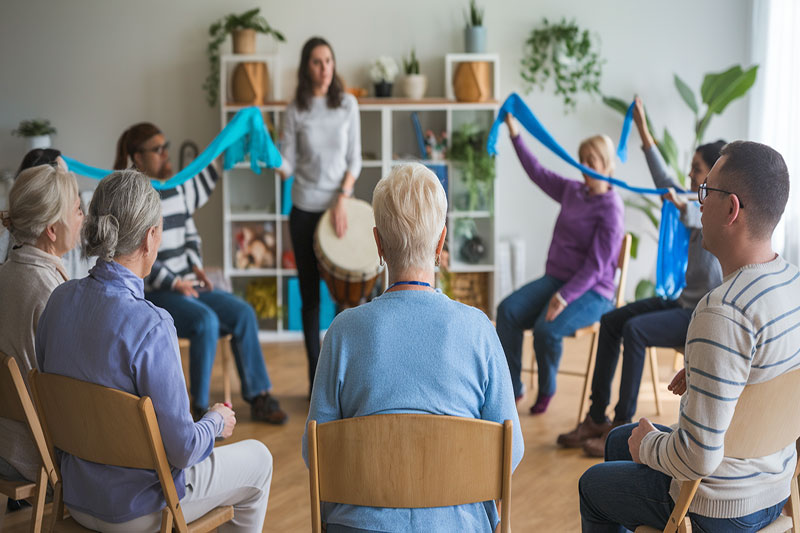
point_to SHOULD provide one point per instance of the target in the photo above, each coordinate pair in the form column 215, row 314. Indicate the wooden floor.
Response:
column 544, row 485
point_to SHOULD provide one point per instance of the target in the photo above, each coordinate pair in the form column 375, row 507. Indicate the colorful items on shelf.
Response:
column 262, row 294
column 255, row 246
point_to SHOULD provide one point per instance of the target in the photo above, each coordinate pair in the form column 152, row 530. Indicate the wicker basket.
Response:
column 471, row 288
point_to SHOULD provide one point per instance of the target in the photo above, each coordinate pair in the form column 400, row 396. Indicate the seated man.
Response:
column 652, row 321
column 743, row 332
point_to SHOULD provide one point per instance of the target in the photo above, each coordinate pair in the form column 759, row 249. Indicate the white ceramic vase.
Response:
column 39, row 141
column 414, row 86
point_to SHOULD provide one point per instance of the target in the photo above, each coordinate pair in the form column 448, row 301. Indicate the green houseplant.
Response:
column 468, row 151
column 219, row 31
column 717, row 91
column 37, row 131
column 414, row 83
column 475, row 31
column 568, row 55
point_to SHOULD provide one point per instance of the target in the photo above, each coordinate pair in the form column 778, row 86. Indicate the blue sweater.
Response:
column 413, row 352
column 101, row 329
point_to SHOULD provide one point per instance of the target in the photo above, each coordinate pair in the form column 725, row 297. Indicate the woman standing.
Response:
column 321, row 147
column 578, row 285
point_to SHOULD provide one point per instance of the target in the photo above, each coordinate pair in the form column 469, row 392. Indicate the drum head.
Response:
column 354, row 256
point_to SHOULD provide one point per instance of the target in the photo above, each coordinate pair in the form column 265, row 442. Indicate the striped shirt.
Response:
column 743, row 332
column 180, row 242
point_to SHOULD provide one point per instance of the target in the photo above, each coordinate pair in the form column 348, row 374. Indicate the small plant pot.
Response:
column 39, row 141
column 475, row 39
column 244, row 41
column 414, row 86
column 383, row 89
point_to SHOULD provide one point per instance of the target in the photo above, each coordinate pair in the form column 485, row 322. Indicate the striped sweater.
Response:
column 745, row 331
column 180, row 242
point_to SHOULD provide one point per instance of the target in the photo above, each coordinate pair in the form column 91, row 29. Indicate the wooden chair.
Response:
column 652, row 356
column 224, row 356
column 112, row 427
column 593, row 329
column 754, row 432
column 410, row 461
column 16, row 404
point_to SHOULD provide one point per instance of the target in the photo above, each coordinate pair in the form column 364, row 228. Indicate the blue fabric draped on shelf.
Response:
column 244, row 135
column 673, row 242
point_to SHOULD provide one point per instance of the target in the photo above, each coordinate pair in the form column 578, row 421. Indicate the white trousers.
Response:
column 236, row 474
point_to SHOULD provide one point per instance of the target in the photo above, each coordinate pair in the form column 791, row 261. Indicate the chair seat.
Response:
column 212, row 519
column 17, row 490
column 783, row 523
column 588, row 330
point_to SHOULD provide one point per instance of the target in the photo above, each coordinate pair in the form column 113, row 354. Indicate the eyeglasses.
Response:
column 702, row 193
column 160, row 149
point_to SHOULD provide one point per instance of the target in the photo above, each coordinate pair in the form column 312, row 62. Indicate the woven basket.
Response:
column 471, row 288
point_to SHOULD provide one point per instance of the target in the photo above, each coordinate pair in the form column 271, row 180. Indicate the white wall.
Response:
column 95, row 67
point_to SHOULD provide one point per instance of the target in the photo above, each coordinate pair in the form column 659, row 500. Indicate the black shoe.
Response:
column 265, row 408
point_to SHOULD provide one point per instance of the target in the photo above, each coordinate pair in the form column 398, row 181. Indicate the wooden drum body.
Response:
column 350, row 266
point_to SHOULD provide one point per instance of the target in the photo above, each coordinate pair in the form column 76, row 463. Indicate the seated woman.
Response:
column 179, row 284
column 578, row 284
column 44, row 219
column 101, row 329
column 412, row 334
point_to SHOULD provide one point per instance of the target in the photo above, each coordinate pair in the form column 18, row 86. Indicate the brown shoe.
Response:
column 265, row 408
column 596, row 447
column 586, row 430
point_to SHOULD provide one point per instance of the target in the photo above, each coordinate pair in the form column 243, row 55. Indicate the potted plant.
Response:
column 37, row 131
column 475, row 31
column 567, row 54
column 414, row 83
column 243, row 28
column 468, row 151
column 382, row 73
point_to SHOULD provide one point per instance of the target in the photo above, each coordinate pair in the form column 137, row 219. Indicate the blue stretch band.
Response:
column 244, row 134
column 516, row 106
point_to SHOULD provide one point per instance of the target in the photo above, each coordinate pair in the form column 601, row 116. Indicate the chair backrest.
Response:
column 410, row 461
column 106, row 426
column 622, row 265
column 16, row 404
column 765, row 421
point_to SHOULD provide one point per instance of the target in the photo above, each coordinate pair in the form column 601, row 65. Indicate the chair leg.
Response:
column 653, row 356
column 38, row 502
column 588, row 376
column 677, row 361
column 226, row 358
column 3, row 505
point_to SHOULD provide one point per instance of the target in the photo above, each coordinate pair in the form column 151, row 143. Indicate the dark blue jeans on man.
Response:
column 525, row 309
column 202, row 320
column 620, row 495
column 648, row 322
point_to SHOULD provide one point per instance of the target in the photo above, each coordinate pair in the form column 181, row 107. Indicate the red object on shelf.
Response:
column 287, row 259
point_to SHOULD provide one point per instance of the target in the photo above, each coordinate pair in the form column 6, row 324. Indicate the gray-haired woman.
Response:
column 102, row 330
column 44, row 219
column 412, row 349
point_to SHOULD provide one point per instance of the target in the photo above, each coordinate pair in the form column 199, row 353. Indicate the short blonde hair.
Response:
column 410, row 212
column 41, row 196
column 603, row 146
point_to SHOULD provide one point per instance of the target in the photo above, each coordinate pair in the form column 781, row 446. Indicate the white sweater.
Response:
column 745, row 331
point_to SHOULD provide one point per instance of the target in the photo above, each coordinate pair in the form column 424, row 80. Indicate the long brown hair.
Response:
column 131, row 141
column 305, row 87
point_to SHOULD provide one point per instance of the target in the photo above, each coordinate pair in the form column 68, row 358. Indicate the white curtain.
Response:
column 775, row 103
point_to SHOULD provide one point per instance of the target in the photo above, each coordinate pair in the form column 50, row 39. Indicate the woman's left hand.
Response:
column 554, row 308
column 339, row 217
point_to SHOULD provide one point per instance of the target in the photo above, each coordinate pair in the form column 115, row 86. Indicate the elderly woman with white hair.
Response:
column 412, row 349
column 44, row 219
column 101, row 329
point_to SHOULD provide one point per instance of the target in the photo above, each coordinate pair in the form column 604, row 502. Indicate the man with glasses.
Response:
column 745, row 331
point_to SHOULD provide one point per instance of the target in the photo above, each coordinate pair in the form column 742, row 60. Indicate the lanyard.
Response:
column 420, row 283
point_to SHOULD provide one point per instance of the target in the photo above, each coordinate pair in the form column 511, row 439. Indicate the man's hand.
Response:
column 640, row 119
column 635, row 440
column 339, row 217
column 202, row 278
column 228, row 417
column 554, row 308
column 513, row 127
column 678, row 383
column 185, row 287
column 672, row 196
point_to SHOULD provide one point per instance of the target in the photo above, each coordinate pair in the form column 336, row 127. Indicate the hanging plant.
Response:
column 566, row 54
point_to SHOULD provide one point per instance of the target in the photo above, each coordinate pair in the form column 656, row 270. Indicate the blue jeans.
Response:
column 201, row 320
column 620, row 494
column 648, row 322
column 525, row 309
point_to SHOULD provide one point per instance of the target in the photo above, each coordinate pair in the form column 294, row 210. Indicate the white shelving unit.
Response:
column 387, row 138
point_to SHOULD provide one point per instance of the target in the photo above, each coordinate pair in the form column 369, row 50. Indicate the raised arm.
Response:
column 551, row 183
column 198, row 190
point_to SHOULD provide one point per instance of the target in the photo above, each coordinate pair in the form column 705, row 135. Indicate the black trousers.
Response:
column 302, row 225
